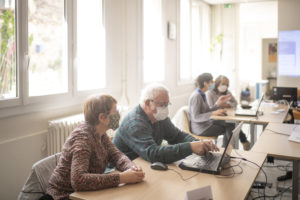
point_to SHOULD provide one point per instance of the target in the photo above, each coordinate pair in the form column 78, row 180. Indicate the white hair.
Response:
column 151, row 91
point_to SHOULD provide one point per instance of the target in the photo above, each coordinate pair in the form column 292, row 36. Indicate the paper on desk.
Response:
column 277, row 111
column 268, row 104
column 297, row 128
column 203, row 193
column 295, row 136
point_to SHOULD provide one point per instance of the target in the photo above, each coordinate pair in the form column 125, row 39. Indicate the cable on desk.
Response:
column 180, row 175
column 274, row 196
column 260, row 167
column 232, row 174
column 219, row 176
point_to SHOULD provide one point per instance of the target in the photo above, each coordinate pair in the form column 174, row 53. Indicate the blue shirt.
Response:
column 202, row 94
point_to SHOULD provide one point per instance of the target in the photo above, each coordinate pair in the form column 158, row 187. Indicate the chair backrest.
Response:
column 182, row 121
column 37, row 182
column 187, row 122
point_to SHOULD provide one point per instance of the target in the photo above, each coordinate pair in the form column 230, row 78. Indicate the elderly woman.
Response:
column 87, row 152
column 220, row 89
column 200, row 112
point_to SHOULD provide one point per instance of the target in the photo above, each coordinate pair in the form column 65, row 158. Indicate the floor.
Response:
column 275, row 190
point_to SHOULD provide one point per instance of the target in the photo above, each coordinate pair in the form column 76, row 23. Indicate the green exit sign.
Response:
column 227, row 5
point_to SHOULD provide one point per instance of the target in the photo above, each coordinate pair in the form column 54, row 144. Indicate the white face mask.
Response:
column 222, row 88
column 162, row 113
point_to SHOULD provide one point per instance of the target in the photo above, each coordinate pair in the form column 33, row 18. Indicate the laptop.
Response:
column 215, row 162
column 247, row 112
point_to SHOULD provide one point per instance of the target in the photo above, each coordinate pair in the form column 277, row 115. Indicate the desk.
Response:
column 278, row 146
column 168, row 185
column 267, row 117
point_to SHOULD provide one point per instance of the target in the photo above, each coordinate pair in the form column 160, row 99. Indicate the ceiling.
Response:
column 232, row 1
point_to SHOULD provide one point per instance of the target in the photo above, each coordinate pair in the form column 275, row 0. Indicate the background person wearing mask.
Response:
column 144, row 128
column 87, row 152
column 212, row 96
column 200, row 112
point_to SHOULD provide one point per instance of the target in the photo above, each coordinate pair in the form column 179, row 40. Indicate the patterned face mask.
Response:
column 114, row 121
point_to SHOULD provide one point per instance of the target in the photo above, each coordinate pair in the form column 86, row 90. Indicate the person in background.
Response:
column 145, row 127
column 200, row 112
column 212, row 96
column 87, row 152
column 220, row 88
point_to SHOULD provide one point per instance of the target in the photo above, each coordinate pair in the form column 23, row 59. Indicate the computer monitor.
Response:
column 289, row 53
column 287, row 93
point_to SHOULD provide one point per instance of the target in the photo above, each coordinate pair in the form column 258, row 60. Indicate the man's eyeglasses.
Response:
column 161, row 104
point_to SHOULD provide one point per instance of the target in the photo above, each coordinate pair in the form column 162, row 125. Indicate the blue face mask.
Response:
column 212, row 86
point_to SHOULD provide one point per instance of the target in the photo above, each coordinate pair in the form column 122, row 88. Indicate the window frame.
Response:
column 189, row 80
column 142, row 24
column 23, row 103
column 200, row 6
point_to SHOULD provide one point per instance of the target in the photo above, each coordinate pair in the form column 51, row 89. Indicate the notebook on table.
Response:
column 215, row 161
column 247, row 112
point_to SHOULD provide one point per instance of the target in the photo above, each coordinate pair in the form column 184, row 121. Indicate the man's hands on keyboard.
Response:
column 203, row 147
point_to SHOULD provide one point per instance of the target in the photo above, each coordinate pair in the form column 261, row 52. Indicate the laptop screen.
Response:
column 231, row 143
column 260, row 100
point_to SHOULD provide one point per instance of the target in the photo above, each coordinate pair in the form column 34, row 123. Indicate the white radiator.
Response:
column 59, row 130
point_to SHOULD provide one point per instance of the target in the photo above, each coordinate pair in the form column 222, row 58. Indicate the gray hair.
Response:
column 151, row 91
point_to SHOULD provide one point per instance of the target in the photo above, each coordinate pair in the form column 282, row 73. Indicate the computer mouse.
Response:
column 159, row 166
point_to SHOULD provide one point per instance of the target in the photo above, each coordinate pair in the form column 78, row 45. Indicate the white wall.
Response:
column 23, row 137
column 288, row 19
column 22, row 143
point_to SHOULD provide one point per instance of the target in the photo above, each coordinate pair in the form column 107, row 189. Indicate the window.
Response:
column 257, row 21
column 153, row 41
column 8, row 70
column 200, row 39
column 47, row 47
column 59, row 56
column 194, row 39
column 185, row 40
column 90, row 45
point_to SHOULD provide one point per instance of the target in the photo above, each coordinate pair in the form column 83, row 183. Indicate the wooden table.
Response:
column 268, row 116
column 274, row 141
column 168, row 185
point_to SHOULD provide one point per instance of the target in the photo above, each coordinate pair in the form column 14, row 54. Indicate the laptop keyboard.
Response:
column 209, row 161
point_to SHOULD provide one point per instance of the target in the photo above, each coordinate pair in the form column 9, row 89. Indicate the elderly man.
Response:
column 144, row 128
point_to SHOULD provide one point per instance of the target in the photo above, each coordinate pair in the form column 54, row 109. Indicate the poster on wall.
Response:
column 272, row 52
